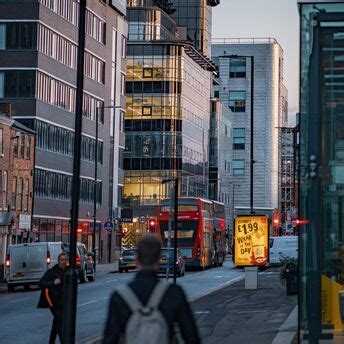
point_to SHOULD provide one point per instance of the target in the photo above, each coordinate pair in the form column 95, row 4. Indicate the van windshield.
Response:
column 271, row 243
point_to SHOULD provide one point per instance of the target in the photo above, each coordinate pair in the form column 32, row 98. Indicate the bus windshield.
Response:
column 186, row 232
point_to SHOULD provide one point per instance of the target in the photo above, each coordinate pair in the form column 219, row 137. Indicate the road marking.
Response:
column 202, row 312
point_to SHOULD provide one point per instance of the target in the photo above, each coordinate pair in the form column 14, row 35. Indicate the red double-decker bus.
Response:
column 199, row 241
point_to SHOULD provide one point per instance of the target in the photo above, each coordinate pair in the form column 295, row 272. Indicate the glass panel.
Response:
column 2, row 36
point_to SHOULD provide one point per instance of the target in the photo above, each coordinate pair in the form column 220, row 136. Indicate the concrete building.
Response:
column 221, row 155
column 17, row 156
column 38, row 56
column 168, row 113
column 233, row 56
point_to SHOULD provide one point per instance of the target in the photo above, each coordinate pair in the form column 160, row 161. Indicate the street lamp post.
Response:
column 175, row 223
column 95, row 185
column 71, row 286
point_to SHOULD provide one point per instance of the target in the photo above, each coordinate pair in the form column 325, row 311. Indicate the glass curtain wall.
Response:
column 322, row 172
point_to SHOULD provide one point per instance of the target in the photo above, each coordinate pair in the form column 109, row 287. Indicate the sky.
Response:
column 265, row 18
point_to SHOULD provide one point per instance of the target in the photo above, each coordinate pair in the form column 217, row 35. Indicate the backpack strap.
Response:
column 129, row 297
column 157, row 294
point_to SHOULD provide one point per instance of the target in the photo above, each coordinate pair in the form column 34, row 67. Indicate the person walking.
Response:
column 52, row 284
column 147, row 309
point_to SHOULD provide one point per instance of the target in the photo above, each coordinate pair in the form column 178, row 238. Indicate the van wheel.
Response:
column 11, row 287
column 83, row 276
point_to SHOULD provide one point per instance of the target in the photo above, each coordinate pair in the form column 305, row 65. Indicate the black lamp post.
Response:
column 175, row 223
column 71, row 287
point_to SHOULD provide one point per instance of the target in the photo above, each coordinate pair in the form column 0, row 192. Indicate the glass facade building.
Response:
column 322, row 171
column 167, row 114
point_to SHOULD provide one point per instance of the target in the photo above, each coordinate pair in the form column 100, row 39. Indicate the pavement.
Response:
column 235, row 315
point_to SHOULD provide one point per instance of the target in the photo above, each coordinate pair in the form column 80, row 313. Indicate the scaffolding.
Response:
column 288, row 173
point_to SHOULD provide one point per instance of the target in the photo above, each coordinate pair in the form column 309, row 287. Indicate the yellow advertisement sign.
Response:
column 251, row 240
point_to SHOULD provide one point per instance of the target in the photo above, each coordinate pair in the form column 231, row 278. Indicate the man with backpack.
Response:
column 146, row 310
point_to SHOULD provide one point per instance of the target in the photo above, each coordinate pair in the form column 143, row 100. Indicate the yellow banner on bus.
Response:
column 251, row 240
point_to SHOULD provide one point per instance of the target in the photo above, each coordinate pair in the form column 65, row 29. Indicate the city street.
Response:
column 22, row 322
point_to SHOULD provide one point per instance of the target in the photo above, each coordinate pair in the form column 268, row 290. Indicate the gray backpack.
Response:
column 146, row 324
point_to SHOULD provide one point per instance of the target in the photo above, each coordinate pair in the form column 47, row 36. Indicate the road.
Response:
column 22, row 322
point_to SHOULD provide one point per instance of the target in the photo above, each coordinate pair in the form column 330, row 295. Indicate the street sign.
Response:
column 127, row 215
column 24, row 221
column 251, row 240
column 108, row 225
column 142, row 219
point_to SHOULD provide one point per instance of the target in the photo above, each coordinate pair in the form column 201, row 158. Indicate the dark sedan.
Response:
column 166, row 256
column 127, row 261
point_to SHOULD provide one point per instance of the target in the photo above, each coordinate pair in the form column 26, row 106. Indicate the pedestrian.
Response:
column 52, row 284
column 146, row 310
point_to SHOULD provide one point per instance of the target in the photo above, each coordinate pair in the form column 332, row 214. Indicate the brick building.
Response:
column 16, row 183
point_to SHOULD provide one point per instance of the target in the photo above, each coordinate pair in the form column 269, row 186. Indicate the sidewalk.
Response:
column 236, row 315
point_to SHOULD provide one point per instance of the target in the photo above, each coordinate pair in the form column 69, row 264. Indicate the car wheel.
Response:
column 126, row 270
column 83, row 276
column 11, row 287
column 91, row 278
column 120, row 270
column 27, row 287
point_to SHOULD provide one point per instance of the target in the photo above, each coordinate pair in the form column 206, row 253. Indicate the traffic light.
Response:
column 152, row 225
column 299, row 222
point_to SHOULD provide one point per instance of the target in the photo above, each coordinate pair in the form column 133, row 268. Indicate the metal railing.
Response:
column 253, row 40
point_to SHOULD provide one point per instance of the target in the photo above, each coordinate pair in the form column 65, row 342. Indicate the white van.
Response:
column 284, row 246
column 27, row 263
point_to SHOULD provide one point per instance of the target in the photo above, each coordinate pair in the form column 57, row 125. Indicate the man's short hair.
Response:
column 63, row 253
column 148, row 250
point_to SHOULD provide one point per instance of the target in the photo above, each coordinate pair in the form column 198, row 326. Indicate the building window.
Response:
column 15, row 146
column 16, row 36
column 67, row 9
column 147, row 72
column 4, row 189
column 20, row 194
column 22, row 146
column 55, row 139
column 28, row 147
column 237, row 101
column 17, row 84
column 146, row 110
column 122, row 84
column 237, row 67
column 14, row 193
column 121, row 119
column 95, row 27
column 27, row 195
column 124, row 47
column 1, row 142
column 239, row 138
column 57, row 47
column 52, row 185
column 94, row 68
column 238, row 167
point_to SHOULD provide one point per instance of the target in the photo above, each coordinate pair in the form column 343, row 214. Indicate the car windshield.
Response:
column 130, row 253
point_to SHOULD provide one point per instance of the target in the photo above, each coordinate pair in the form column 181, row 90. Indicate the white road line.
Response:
column 87, row 303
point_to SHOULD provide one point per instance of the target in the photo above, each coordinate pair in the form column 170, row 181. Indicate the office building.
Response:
column 167, row 117
column 321, row 171
column 233, row 57
column 38, row 58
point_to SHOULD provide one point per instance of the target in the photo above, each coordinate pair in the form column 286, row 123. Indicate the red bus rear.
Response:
column 219, row 233
column 195, row 229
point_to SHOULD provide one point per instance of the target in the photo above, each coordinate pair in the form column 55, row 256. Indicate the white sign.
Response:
column 24, row 221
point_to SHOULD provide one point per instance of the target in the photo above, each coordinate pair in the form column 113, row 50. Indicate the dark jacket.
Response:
column 51, row 294
column 174, row 307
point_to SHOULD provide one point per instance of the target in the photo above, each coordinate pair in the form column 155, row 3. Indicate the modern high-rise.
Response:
column 321, row 203
column 38, row 59
column 234, row 58
column 167, row 118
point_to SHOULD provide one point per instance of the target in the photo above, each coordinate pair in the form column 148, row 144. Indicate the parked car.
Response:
column 127, row 260
column 166, row 260
column 84, row 262
column 26, row 263
column 283, row 247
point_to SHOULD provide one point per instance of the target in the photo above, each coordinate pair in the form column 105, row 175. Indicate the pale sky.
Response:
column 265, row 18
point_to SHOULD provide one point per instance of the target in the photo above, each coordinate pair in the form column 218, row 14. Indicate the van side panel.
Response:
column 37, row 263
column 18, row 256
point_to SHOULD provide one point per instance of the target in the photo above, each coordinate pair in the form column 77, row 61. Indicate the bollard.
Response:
column 251, row 277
